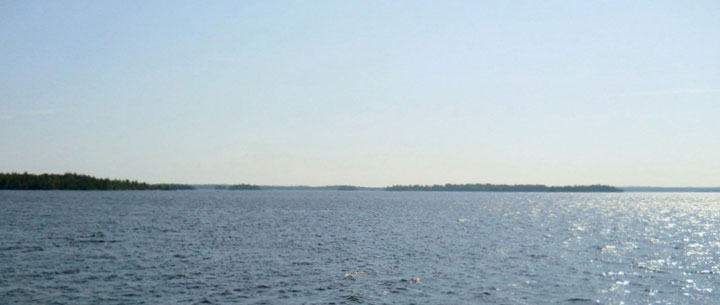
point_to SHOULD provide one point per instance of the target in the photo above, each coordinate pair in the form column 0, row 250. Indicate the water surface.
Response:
column 325, row 247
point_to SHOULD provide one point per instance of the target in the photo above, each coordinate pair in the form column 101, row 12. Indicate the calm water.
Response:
column 283, row 247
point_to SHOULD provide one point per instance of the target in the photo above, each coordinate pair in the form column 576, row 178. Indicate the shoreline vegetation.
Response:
column 238, row 187
column 597, row 188
column 78, row 182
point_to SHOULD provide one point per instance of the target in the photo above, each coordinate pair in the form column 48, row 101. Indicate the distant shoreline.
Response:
column 77, row 182
column 536, row 188
column 80, row 182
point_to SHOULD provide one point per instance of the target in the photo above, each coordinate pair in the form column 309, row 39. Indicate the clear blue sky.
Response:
column 363, row 92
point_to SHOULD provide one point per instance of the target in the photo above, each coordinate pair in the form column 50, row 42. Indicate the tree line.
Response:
column 238, row 187
column 73, row 181
column 477, row 187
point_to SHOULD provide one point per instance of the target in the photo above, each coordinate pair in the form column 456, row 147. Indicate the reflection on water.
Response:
column 268, row 247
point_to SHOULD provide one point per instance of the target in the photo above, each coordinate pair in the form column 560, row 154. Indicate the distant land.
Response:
column 321, row 188
column 285, row 188
column 73, row 181
column 238, row 187
column 503, row 188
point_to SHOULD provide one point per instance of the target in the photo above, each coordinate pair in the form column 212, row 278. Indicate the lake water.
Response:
column 323, row 247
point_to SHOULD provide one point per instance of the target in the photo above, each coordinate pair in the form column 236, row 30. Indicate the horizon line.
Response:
column 365, row 186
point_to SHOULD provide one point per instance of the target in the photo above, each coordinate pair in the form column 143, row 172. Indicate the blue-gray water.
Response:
column 285, row 247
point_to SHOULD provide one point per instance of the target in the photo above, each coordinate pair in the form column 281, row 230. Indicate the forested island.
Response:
column 73, row 181
column 503, row 188
column 238, row 187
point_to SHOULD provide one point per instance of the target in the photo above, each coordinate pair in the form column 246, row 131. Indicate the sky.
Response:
column 369, row 93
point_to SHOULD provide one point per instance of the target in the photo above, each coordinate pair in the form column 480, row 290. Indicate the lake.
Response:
column 333, row 247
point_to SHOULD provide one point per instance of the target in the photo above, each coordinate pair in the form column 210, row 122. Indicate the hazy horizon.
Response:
column 363, row 93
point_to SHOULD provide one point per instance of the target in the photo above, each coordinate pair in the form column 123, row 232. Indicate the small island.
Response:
column 77, row 182
column 243, row 187
column 477, row 187
column 347, row 188
column 236, row 187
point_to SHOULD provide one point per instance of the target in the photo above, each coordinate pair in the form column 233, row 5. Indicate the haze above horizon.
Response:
column 366, row 93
